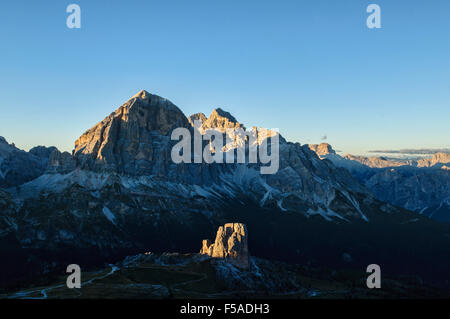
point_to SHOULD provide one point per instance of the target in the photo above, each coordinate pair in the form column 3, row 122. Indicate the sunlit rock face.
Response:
column 322, row 149
column 220, row 120
column 438, row 158
column 135, row 139
column 200, row 117
column 231, row 244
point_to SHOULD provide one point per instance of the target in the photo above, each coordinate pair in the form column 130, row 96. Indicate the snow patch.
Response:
column 108, row 214
column 280, row 204
column 422, row 210
column 356, row 205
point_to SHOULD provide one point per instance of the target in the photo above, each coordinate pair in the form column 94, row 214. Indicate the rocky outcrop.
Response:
column 231, row 244
column 219, row 120
column 321, row 149
column 197, row 117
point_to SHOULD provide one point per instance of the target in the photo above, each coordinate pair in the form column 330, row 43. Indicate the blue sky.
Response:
column 310, row 68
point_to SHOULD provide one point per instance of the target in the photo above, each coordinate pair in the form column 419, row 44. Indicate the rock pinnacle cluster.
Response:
column 231, row 244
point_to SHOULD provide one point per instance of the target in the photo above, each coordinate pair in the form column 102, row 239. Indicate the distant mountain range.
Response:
column 422, row 186
column 119, row 193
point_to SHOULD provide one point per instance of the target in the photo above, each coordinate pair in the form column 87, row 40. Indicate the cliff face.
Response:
column 322, row 149
column 231, row 244
column 197, row 117
column 134, row 140
column 220, row 120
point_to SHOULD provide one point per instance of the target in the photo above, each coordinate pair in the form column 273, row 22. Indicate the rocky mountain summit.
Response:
column 134, row 139
column 231, row 244
column 197, row 117
column 219, row 120
column 322, row 149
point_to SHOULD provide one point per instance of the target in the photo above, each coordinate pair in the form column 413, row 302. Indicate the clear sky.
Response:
column 310, row 68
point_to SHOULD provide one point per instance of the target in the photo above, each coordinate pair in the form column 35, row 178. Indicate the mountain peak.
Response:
column 145, row 100
column 142, row 94
column 322, row 149
column 127, row 139
column 221, row 120
column 197, row 117
column 6, row 148
column 221, row 113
